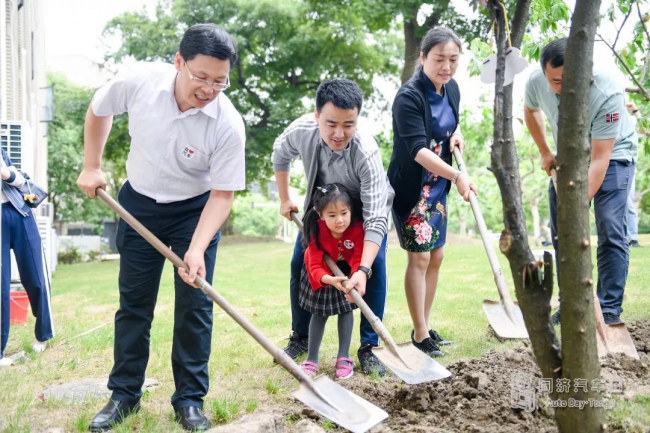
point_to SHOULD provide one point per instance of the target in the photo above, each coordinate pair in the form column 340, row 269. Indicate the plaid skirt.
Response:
column 326, row 301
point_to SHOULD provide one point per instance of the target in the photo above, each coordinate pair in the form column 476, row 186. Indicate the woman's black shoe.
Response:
column 437, row 338
column 427, row 346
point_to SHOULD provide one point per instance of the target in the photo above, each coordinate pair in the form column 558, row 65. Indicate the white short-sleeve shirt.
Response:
column 174, row 156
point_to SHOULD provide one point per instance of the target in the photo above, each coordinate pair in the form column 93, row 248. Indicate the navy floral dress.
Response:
column 425, row 227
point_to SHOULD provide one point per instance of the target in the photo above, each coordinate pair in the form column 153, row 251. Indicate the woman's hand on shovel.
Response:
column 196, row 264
column 465, row 185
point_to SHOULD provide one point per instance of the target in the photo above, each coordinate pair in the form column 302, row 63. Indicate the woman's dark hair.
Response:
column 437, row 36
column 344, row 94
column 553, row 53
column 323, row 197
column 208, row 40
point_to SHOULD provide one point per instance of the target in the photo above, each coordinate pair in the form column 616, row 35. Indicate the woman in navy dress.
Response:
column 425, row 130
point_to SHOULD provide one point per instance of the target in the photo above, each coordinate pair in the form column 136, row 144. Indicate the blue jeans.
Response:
column 610, row 208
column 375, row 297
column 141, row 268
column 632, row 221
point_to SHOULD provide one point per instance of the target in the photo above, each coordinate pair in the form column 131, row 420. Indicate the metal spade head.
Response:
column 419, row 367
column 503, row 326
column 619, row 340
column 360, row 415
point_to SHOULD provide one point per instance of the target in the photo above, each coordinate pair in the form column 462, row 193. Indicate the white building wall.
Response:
column 22, row 100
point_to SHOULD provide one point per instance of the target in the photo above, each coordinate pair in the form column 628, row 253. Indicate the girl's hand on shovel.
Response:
column 465, row 185
column 196, row 263
column 334, row 281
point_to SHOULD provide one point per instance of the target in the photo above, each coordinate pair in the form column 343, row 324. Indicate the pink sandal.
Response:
column 309, row 367
column 344, row 368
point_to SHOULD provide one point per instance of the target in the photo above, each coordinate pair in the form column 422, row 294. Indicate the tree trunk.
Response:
column 580, row 355
column 411, row 46
column 534, row 291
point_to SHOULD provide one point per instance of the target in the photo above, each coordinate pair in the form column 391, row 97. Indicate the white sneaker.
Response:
column 6, row 362
column 39, row 346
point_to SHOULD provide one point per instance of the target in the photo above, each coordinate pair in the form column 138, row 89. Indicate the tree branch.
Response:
column 618, row 32
column 641, row 91
column 266, row 113
column 647, row 35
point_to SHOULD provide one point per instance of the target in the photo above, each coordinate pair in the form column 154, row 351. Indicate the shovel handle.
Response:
column 600, row 322
column 554, row 177
column 375, row 322
column 279, row 354
column 499, row 279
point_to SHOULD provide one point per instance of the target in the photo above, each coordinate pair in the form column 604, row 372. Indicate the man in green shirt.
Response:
column 613, row 157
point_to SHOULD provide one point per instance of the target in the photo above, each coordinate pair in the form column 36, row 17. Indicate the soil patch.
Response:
column 479, row 395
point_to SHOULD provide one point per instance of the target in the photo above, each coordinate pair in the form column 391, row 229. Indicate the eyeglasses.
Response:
column 216, row 85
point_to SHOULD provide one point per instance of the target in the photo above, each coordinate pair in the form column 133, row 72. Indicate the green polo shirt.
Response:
column 608, row 116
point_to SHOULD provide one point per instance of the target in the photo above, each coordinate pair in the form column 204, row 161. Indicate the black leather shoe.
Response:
column 192, row 418
column 112, row 414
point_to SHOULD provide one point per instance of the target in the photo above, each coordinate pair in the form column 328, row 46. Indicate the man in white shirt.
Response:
column 186, row 160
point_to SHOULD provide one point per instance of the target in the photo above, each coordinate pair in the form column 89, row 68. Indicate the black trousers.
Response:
column 139, row 279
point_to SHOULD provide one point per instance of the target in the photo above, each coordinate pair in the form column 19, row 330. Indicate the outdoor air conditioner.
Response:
column 15, row 139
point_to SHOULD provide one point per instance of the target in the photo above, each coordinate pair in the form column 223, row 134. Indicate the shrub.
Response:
column 94, row 255
column 70, row 256
column 255, row 220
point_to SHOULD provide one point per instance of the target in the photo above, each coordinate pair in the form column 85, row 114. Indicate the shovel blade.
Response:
column 618, row 340
column 360, row 415
column 503, row 326
column 420, row 367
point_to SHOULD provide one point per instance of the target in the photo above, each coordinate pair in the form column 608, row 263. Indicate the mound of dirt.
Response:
column 479, row 395
column 640, row 333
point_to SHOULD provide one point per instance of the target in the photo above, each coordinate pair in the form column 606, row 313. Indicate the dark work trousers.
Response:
column 139, row 279
column 375, row 297
column 613, row 256
column 20, row 233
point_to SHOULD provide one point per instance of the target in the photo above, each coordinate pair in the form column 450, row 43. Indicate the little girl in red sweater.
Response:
column 330, row 227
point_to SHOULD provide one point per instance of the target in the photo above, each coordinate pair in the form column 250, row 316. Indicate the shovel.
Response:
column 321, row 394
column 505, row 316
column 408, row 362
column 609, row 338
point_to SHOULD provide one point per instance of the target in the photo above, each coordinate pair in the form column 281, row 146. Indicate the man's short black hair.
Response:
column 553, row 54
column 208, row 40
column 344, row 94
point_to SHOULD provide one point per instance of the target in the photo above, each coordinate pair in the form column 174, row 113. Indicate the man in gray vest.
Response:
column 333, row 150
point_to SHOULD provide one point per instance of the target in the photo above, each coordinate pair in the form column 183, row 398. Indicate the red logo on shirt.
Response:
column 612, row 117
column 187, row 152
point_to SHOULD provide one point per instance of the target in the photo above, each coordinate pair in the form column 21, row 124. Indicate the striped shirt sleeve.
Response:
column 373, row 191
column 285, row 147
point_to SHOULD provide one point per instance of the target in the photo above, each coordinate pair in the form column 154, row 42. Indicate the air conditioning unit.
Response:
column 15, row 138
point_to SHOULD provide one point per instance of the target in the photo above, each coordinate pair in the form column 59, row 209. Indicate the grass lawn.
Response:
column 254, row 278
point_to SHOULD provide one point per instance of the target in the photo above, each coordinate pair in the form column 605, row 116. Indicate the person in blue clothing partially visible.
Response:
column 613, row 158
column 20, row 234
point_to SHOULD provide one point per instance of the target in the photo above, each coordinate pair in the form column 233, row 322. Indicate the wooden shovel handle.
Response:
column 279, row 354
column 499, row 279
